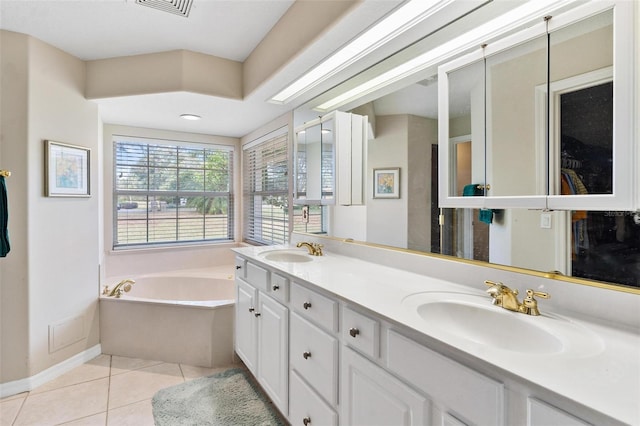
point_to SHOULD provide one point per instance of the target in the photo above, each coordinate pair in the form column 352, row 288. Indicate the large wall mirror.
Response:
column 495, row 132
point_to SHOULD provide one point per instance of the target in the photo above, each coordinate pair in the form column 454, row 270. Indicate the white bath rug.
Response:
column 228, row 398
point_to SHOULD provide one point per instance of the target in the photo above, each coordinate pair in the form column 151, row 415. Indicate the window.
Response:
column 171, row 192
column 266, row 191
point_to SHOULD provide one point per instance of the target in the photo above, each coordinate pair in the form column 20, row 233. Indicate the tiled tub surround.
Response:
column 183, row 316
column 106, row 391
column 603, row 381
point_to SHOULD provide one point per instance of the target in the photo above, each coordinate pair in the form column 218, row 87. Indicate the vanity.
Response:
column 363, row 336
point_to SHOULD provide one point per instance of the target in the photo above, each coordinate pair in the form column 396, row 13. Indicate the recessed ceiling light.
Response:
column 192, row 117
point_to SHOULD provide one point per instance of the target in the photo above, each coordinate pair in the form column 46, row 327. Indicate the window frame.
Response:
column 178, row 193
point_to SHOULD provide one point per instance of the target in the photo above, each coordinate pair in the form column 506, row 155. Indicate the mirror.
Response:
column 597, row 245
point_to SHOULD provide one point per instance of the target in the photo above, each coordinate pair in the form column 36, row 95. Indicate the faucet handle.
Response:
column 530, row 305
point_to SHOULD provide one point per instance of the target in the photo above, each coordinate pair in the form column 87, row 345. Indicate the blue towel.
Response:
column 4, row 219
column 472, row 190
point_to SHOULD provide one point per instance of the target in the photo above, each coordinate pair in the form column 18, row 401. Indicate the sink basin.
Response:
column 290, row 256
column 472, row 320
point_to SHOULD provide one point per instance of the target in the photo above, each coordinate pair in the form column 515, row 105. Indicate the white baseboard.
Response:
column 30, row 383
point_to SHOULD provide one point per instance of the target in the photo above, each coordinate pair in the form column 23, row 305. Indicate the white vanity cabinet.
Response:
column 371, row 396
column 262, row 334
column 326, row 360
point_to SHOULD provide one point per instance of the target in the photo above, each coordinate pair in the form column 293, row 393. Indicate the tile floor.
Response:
column 106, row 391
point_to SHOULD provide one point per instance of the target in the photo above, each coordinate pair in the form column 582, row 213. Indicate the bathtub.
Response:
column 184, row 317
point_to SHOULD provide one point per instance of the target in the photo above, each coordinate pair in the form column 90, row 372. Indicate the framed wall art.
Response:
column 386, row 182
column 67, row 171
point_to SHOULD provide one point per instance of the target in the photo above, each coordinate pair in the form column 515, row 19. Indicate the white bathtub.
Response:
column 184, row 317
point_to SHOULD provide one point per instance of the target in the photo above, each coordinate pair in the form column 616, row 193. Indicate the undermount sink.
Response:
column 285, row 255
column 473, row 319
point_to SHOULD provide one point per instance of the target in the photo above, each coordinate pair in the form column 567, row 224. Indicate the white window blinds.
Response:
column 168, row 193
column 266, row 191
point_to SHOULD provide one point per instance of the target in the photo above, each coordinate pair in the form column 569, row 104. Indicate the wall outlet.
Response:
column 545, row 220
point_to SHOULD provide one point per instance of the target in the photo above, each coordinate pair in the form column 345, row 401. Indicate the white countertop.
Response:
column 604, row 377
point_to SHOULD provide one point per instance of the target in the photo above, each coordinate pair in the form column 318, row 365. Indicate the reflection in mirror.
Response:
column 516, row 159
column 603, row 246
column 467, row 129
column 308, row 156
column 581, row 118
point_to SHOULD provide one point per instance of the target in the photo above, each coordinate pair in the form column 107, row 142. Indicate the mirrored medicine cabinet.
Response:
column 329, row 160
column 539, row 108
column 496, row 100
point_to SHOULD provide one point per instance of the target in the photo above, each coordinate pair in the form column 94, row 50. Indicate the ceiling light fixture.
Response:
column 475, row 37
column 192, row 117
column 390, row 27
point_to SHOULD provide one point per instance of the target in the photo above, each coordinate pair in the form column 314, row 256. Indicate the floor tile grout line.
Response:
column 106, row 416
column 15, row 419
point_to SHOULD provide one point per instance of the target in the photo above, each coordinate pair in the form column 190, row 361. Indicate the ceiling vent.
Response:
column 177, row 7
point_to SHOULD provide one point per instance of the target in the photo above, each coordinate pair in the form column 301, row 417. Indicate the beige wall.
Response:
column 14, row 273
column 54, row 257
column 402, row 141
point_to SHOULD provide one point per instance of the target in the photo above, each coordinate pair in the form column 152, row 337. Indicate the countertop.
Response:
column 603, row 375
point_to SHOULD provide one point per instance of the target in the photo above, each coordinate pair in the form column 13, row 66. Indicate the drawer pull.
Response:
column 306, row 421
column 275, row 287
column 252, row 309
column 306, row 355
column 354, row 332
column 238, row 267
column 306, row 305
column 257, row 314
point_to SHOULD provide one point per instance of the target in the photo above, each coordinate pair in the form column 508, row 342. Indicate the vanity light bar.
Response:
column 404, row 18
column 493, row 28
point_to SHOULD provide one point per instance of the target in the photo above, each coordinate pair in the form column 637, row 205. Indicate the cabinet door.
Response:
column 371, row 396
column 273, row 361
column 543, row 414
column 246, row 327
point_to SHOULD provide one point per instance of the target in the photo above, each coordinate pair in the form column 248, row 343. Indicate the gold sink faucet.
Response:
column 121, row 287
column 314, row 249
column 508, row 299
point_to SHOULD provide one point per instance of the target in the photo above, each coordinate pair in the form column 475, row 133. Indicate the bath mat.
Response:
column 223, row 399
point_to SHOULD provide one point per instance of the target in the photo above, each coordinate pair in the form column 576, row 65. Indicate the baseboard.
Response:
column 30, row 383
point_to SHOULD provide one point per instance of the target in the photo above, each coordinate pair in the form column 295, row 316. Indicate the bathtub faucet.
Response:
column 121, row 287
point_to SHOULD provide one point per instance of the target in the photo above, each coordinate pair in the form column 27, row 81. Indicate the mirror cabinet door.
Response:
column 308, row 155
column 327, row 153
column 581, row 107
column 516, row 145
column 462, row 143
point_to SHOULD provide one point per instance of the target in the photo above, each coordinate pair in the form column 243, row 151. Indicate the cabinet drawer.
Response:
column 306, row 404
column 257, row 276
column 361, row 332
column 241, row 267
column 463, row 391
column 314, row 354
column 319, row 309
column 279, row 287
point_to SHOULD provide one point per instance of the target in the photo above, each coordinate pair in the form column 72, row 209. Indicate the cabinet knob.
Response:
column 238, row 267
column 251, row 309
column 306, row 421
column 354, row 332
column 306, row 305
column 257, row 314
column 275, row 287
column 306, row 355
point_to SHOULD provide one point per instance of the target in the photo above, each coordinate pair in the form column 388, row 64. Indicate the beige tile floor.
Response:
column 106, row 391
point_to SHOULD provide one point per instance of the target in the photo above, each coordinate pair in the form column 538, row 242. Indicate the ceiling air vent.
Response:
column 177, row 7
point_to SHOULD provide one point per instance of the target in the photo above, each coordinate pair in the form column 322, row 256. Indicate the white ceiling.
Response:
column 97, row 29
